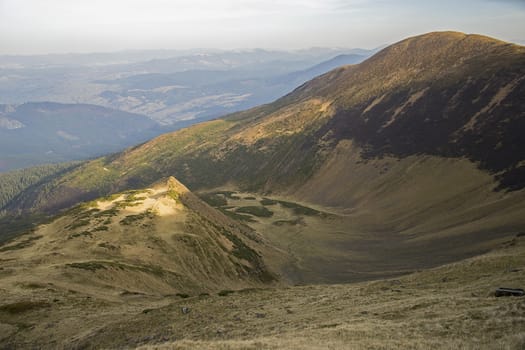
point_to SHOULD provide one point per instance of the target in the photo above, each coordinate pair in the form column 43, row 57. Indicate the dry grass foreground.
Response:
column 450, row 307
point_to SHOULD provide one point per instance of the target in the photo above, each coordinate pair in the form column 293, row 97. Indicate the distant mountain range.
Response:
column 167, row 86
column 44, row 132
column 207, row 93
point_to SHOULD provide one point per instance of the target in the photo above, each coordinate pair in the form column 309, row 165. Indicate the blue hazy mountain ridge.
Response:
column 206, row 93
column 169, row 89
column 45, row 132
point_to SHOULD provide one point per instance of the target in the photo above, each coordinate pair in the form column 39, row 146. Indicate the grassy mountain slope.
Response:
column 157, row 241
column 442, row 94
column 418, row 149
column 449, row 307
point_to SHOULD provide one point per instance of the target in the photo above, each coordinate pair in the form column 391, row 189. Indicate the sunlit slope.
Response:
column 157, row 241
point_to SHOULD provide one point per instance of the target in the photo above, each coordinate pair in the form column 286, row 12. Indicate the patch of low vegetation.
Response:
column 299, row 209
column 258, row 211
column 107, row 213
column 23, row 306
column 86, row 214
column 225, row 292
column 240, row 249
column 89, row 266
column 174, row 195
column 298, row 221
column 107, row 245
column 268, row 201
column 20, row 245
column 80, row 234
column 132, row 219
column 101, row 228
column 182, row 295
column 111, row 197
column 78, row 223
column 32, row 285
column 214, row 199
column 237, row 216
column 250, row 198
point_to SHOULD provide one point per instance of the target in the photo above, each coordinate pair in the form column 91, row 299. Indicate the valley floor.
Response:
column 449, row 307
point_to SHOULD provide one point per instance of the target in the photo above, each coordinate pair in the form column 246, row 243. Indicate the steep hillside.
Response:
column 45, row 132
column 418, row 149
column 448, row 95
column 450, row 307
column 157, row 241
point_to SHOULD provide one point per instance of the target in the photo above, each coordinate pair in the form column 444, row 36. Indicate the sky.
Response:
column 61, row 26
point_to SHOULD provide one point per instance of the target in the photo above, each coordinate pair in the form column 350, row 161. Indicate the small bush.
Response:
column 256, row 211
column 224, row 293
column 78, row 223
column 90, row 266
column 287, row 222
column 268, row 201
column 299, row 209
column 237, row 216
column 23, row 306
column 26, row 243
column 130, row 219
column 214, row 199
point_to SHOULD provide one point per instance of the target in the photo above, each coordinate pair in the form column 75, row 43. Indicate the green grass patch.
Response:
column 258, row 211
column 182, row 295
column 174, row 195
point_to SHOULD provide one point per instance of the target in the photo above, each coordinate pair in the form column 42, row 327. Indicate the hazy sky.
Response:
column 44, row 26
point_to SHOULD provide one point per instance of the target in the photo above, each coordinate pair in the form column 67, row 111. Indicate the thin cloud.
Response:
column 38, row 26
